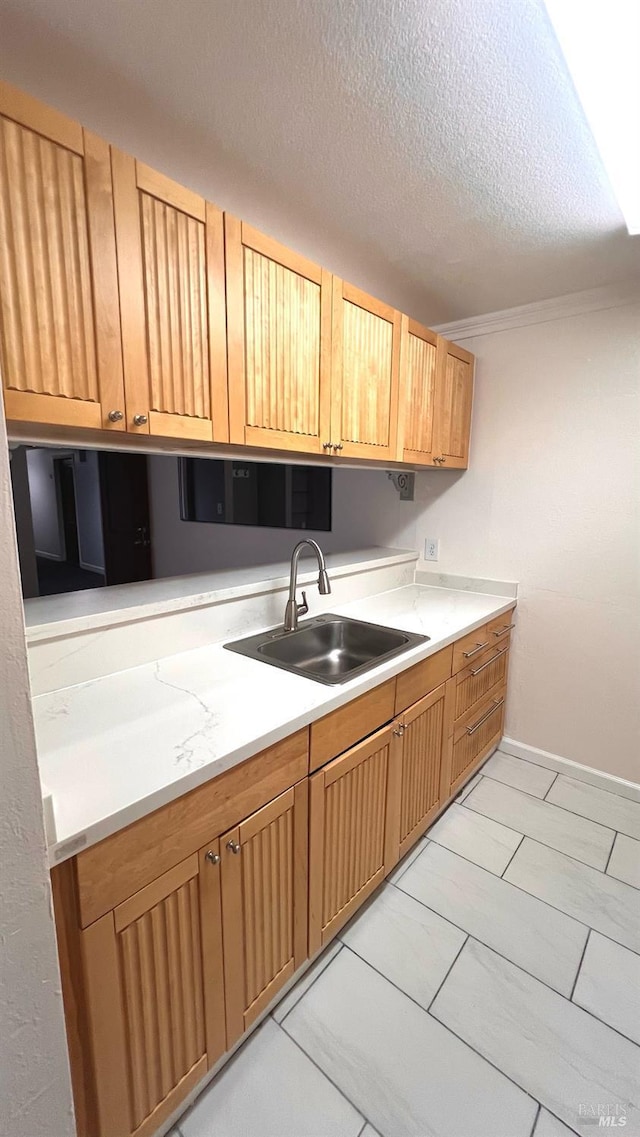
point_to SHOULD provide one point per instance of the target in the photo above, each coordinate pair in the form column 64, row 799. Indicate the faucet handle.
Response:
column 303, row 608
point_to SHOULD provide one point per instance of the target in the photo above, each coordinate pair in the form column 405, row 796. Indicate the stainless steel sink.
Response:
column 329, row 649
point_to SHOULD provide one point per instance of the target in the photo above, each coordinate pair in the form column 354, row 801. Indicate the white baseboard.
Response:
column 588, row 774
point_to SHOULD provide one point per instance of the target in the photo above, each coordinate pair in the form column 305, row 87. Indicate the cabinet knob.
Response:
column 399, row 730
column 233, row 846
column 212, row 857
column 327, row 445
column 115, row 416
column 140, row 420
column 338, row 446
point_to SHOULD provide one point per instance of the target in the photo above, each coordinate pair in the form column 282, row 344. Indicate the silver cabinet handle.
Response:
column 212, row 857
column 115, row 416
column 496, row 703
column 140, row 420
column 477, row 670
column 475, row 650
column 501, row 631
column 233, row 846
column 399, row 730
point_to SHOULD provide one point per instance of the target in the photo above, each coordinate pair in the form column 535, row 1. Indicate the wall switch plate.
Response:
column 431, row 548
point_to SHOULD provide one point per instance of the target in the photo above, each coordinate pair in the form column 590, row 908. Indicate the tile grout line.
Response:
column 521, row 789
column 510, row 860
column 580, row 965
column 449, row 970
column 551, row 804
column 572, row 777
column 324, row 1074
column 615, row 838
column 553, row 782
column 312, row 984
column 364, row 1126
column 443, row 1025
column 535, row 1120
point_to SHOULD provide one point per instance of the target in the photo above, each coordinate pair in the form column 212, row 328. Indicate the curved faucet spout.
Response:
column 294, row 610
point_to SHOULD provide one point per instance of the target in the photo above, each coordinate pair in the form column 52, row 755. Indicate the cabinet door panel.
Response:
column 145, row 993
column 264, row 897
column 60, row 353
column 171, row 269
column 348, row 808
column 475, row 735
column 279, row 316
column 455, row 396
column 418, row 354
column 365, row 373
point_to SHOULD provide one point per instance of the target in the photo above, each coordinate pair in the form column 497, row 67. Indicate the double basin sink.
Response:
column 330, row 649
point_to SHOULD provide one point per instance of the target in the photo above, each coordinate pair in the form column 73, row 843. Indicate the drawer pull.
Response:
column 213, row 858
column 477, row 670
column 501, row 631
column 475, row 650
column 233, row 847
column 496, row 703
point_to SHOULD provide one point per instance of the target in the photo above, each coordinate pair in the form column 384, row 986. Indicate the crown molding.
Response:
column 542, row 311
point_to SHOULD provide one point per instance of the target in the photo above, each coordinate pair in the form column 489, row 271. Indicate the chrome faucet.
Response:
column 293, row 609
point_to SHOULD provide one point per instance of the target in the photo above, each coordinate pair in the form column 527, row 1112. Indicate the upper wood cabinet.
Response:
column 279, row 344
column 418, row 386
column 60, row 352
column 170, row 246
column 365, row 375
column 453, row 407
column 436, row 396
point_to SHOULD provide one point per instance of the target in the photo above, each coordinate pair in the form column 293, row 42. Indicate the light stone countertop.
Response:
column 114, row 749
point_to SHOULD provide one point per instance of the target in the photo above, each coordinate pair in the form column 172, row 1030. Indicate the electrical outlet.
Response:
column 431, row 548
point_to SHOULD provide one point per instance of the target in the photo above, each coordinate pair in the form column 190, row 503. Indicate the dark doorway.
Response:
column 124, row 495
column 67, row 498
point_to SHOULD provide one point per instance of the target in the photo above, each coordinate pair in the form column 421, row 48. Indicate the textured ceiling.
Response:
column 438, row 144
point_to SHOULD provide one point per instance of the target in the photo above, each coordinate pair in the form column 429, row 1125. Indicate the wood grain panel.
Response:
column 417, row 411
column 453, row 412
column 367, row 347
column 469, row 748
column 264, row 893
column 421, row 761
column 51, row 124
column 163, row 999
column 48, row 332
column 418, row 681
column 120, row 865
column 173, row 247
column 490, row 670
column 348, row 820
column 340, row 729
column 282, row 314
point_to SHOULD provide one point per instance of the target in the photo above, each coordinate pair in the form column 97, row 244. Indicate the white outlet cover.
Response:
column 431, row 548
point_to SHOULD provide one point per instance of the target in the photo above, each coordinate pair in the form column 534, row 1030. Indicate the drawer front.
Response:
column 501, row 626
column 470, row 647
column 420, row 680
column 476, row 734
column 335, row 733
column 476, row 680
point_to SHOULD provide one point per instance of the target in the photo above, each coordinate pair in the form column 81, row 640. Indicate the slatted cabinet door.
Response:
column 418, row 376
column 348, row 819
column 60, row 351
column 279, row 343
column 365, row 375
column 419, row 777
column 146, row 994
column 170, row 246
column 264, row 904
column 453, row 406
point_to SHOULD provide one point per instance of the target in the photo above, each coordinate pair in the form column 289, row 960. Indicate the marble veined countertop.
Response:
column 116, row 748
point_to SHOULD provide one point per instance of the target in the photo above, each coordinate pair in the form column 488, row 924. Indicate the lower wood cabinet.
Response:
column 476, row 733
column 347, row 829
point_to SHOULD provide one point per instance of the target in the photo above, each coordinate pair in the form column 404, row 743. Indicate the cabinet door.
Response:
column 453, row 406
column 171, row 271
column 146, row 984
column 264, row 904
column 279, row 343
column 365, row 375
column 418, row 782
column 348, row 821
column 418, row 375
column 60, row 352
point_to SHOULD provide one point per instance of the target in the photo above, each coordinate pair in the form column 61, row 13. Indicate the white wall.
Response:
column 47, row 523
column 35, row 1094
column 552, row 499
column 366, row 511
